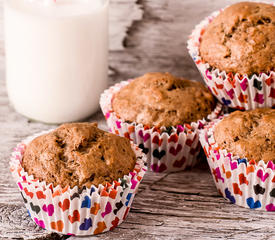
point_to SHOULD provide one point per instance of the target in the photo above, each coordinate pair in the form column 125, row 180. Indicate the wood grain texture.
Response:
column 145, row 35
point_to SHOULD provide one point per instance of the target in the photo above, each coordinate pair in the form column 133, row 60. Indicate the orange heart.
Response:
column 112, row 194
column 126, row 135
column 40, row 195
column 131, row 129
column 228, row 174
column 116, row 184
column 30, row 194
column 75, row 217
column 219, row 86
column 100, row 227
column 242, row 179
column 65, row 189
column 249, row 169
column 174, row 138
column 94, row 210
column 65, row 206
column 114, row 223
column 104, row 193
column 58, row 226
column 139, row 178
column 236, row 189
column 56, row 193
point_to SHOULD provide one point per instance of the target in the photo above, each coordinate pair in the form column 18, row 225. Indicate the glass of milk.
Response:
column 56, row 57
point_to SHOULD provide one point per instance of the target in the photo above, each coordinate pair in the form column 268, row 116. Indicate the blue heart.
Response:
column 86, row 203
column 86, row 224
column 250, row 202
column 128, row 198
column 242, row 160
column 92, row 190
column 29, row 213
column 226, row 101
column 229, row 196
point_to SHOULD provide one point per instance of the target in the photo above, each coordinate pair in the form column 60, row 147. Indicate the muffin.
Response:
column 77, row 179
column 240, row 149
column 234, row 49
column 161, row 99
column 78, row 154
column 161, row 113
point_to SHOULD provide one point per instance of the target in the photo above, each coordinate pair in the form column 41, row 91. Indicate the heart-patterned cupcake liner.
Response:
column 234, row 90
column 167, row 149
column 76, row 211
column 242, row 181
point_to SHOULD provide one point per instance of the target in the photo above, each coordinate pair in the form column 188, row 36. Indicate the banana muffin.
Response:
column 248, row 134
column 79, row 154
column 161, row 99
column 241, row 39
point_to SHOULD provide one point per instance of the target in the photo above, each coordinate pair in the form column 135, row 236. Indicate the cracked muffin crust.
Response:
column 248, row 134
column 79, row 154
column 161, row 99
column 241, row 39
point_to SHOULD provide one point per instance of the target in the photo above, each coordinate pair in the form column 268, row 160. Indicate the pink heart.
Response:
column 49, row 209
column 270, row 207
column 261, row 175
column 243, row 84
column 208, row 74
column 233, row 165
column 230, row 93
column 259, row 98
column 134, row 183
column 145, row 137
column 39, row 223
column 108, row 209
column 118, row 124
column 157, row 168
column 271, row 165
column 175, row 151
column 218, row 174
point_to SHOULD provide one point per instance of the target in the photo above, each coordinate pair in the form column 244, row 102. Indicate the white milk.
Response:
column 56, row 57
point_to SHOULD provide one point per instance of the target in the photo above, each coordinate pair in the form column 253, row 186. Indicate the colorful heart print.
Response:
column 75, row 217
column 48, row 209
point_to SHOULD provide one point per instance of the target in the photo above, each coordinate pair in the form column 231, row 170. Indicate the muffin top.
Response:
column 79, row 154
column 241, row 39
column 160, row 99
column 248, row 134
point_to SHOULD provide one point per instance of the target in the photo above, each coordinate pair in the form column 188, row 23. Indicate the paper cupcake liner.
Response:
column 75, row 211
column 241, row 181
column 233, row 90
column 166, row 152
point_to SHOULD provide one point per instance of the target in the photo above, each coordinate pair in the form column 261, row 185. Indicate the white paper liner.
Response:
column 74, row 211
column 165, row 152
column 233, row 90
column 241, row 181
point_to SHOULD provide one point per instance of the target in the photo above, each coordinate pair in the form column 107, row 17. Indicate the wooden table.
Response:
column 146, row 35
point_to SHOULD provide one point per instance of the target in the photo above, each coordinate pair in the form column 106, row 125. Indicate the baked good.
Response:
column 241, row 39
column 248, row 134
column 79, row 154
column 59, row 176
column 161, row 99
column 240, row 150
column 162, row 114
